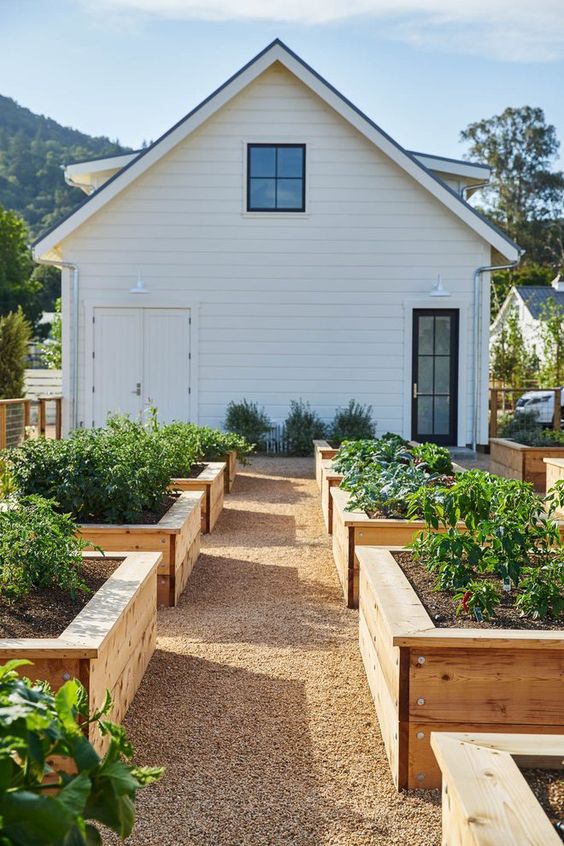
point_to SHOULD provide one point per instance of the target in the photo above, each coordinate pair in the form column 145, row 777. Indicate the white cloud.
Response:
column 518, row 30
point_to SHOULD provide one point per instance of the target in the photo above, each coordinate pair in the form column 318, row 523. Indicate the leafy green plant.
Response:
column 106, row 475
column 354, row 422
column 542, row 590
column 301, row 427
column 435, row 458
column 54, row 787
column 383, row 489
column 214, row 443
column 354, row 456
column 524, row 428
column 507, row 533
column 52, row 349
column 38, row 548
column 248, row 420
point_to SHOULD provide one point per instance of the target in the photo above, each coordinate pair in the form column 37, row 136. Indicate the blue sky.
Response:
column 422, row 69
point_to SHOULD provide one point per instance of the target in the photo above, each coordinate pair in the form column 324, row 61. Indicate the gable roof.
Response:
column 535, row 296
column 277, row 52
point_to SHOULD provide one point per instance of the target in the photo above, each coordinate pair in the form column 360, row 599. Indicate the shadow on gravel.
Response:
column 238, row 758
column 229, row 600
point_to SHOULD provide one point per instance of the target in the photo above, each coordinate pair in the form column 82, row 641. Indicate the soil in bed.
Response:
column 47, row 613
column 146, row 518
column 442, row 609
column 548, row 787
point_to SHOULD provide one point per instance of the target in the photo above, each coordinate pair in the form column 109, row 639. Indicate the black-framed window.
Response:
column 276, row 177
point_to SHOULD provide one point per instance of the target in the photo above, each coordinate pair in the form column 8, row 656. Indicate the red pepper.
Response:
column 465, row 599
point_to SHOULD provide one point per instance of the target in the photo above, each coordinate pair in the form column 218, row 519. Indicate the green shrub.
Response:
column 524, row 428
column 38, row 548
column 106, row 475
column 42, row 736
column 245, row 418
column 181, row 445
column 215, row 444
column 510, row 538
column 301, row 427
column 15, row 333
column 352, row 423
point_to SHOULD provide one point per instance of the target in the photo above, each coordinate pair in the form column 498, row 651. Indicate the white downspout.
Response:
column 74, row 335
column 476, row 336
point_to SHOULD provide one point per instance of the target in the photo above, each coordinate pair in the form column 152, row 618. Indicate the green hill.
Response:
column 32, row 150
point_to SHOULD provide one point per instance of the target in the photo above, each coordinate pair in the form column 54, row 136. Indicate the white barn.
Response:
column 277, row 244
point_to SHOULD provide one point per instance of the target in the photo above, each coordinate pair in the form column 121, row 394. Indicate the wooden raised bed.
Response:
column 486, row 800
column 329, row 479
column 352, row 529
column 211, row 483
column 322, row 450
column 230, row 459
column 554, row 473
column 109, row 643
column 517, row 461
column 425, row 679
column 176, row 536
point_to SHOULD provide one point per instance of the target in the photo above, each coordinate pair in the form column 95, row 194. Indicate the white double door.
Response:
column 141, row 359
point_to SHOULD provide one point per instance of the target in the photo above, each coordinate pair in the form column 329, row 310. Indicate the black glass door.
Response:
column 435, row 376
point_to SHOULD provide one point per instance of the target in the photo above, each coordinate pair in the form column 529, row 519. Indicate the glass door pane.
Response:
column 435, row 375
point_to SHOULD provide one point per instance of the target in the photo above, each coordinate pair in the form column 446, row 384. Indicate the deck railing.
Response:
column 15, row 417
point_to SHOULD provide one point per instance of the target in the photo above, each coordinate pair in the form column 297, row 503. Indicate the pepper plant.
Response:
column 495, row 533
column 55, row 789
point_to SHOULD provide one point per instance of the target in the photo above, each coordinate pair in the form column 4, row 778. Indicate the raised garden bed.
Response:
column 423, row 678
column 176, row 536
column 322, row 451
column 330, row 478
column 517, row 461
column 486, row 798
column 352, row 529
column 109, row 643
column 211, row 482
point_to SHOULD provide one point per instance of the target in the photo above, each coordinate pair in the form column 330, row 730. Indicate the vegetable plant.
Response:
column 247, row 419
column 38, row 548
column 435, row 458
column 301, row 427
column 354, row 456
column 106, row 475
column 383, row 489
column 354, row 422
column 55, row 789
column 508, row 538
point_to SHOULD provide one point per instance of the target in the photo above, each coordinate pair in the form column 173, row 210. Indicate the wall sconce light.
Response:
column 438, row 290
column 139, row 287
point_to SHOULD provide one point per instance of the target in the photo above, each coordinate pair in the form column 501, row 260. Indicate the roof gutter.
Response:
column 74, row 335
column 476, row 335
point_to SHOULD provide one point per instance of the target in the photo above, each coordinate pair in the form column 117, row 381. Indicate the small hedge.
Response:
column 352, row 423
column 248, row 420
column 301, row 427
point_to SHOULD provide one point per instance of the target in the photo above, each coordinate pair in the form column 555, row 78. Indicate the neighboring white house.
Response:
column 528, row 302
column 277, row 244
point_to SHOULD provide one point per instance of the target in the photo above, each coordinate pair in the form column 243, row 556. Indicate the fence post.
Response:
column 42, row 416
column 493, row 413
column 58, row 417
column 2, row 425
column 557, row 409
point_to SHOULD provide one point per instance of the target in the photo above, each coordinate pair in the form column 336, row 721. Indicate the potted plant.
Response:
column 114, row 482
column 463, row 630
column 74, row 614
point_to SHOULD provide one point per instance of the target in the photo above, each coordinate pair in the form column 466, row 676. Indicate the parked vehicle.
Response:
column 541, row 403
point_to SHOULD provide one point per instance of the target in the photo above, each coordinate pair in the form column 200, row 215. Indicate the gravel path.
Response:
column 256, row 700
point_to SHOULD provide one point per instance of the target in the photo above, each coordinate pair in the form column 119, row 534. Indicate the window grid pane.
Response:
column 278, row 188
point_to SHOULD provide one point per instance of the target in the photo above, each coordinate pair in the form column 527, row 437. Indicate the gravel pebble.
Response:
column 256, row 699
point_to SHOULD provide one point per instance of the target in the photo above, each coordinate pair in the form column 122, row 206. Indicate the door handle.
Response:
column 415, row 394
column 137, row 389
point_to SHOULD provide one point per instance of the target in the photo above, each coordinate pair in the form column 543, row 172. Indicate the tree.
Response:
column 552, row 337
column 16, row 288
column 511, row 363
column 15, row 333
column 521, row 148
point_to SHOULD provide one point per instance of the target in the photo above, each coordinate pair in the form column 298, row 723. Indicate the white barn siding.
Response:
column 286, row 305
